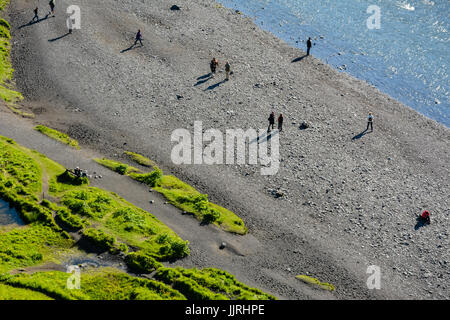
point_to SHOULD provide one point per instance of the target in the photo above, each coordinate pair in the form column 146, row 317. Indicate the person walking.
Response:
column 52, row 7
column 36, row 16
column 213, row 65
column 308, row 46
column 227, row 70
column 138, row 38
column 370, row 122
column 280, row 122
column 271, row 121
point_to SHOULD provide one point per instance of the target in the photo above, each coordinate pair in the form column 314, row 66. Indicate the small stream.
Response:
column 9, row 215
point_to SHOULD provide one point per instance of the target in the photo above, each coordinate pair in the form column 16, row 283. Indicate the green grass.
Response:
column 30, row 245
column 120, row 168
column 208, row 284
column 6, row 71
column 58, row 136
column 140, row 159
column 181, row 195
column 315, row 282
column 102, row 284
column 108, row 222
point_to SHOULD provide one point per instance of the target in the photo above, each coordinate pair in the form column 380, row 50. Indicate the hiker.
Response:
column 308, row 46
column 370, row 122
column 77, row 171
column 280, row 122
column 138, row 38
column 52, row 7
column 227, row 70
column 271, row 121
column 425, row 216
column 213, row 65
column 36, row 16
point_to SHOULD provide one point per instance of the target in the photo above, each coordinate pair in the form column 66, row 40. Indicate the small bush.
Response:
column 100, row 239
column 141, row 262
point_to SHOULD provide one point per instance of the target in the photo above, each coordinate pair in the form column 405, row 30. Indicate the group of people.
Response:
column 272, row 122
column 80, row 173
column 215, row 63
column 51, row 12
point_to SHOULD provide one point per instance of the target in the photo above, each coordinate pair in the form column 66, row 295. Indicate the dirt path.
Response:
column 349, row 203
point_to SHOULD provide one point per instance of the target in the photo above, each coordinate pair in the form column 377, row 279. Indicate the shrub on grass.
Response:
column 141, row 262
column 151, row 179
column 69, row 220
column 99, row 239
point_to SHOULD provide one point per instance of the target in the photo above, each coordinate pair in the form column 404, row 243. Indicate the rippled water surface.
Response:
column 407, row 57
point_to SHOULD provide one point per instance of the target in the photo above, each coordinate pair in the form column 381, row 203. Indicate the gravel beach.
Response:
column 344, row 199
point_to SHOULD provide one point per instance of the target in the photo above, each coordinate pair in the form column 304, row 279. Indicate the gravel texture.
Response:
column 341, row 200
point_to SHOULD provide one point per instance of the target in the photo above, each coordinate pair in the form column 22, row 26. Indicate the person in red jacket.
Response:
column 425, row 216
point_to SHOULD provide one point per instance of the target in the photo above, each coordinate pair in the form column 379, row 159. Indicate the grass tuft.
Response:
column 59, row 136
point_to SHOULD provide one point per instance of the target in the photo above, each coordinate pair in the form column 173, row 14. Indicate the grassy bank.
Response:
column 6, row 71
column 107, row 223
column 181, row 195
column 58, row 136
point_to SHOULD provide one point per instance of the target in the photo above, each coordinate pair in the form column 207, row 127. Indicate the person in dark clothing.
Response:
column 52, row 7
column 271, row 121
column 213, row 65
column 280, row 122
column 370, row 122
column 227, row 70
column 138, row 38
column 308, row 46
column 36, row 16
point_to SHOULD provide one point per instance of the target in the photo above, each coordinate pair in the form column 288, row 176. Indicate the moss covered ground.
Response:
column 106, row 222
column 58, row 136
column 181, row 195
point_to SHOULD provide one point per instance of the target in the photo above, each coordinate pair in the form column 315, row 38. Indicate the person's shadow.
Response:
column 33, row 22
column 60, row 37
column 203, row 79
column 212, row 87
column 361, row 134
column 299, row 58
column 130, row 48
column 421, row 222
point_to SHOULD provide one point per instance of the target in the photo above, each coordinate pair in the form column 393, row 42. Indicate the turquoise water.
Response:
column 8, row 215
column 406, row 58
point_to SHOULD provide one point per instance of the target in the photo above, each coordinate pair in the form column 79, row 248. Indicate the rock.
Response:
column 152, row 201
column 179, row 97
column 222, row 246
column 304, row 125
column 175, row 7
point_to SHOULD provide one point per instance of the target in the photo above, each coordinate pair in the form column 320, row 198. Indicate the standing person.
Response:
column 227, row 70
column 280, row 122
column 52, row 7
column 69, row 24
column 213, row 65
column 308, row 46
column 271, row 121
column 138, row 38
column 36, row 16
column 370, row 122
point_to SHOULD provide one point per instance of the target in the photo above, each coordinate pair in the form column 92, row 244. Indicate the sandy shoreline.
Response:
column 348, row 204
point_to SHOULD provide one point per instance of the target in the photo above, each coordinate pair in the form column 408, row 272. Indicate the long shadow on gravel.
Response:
column 203, row 79
column 128, row 49
column 29, row 24
column 216, row 85
column 58, row 38
column 361, row 134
